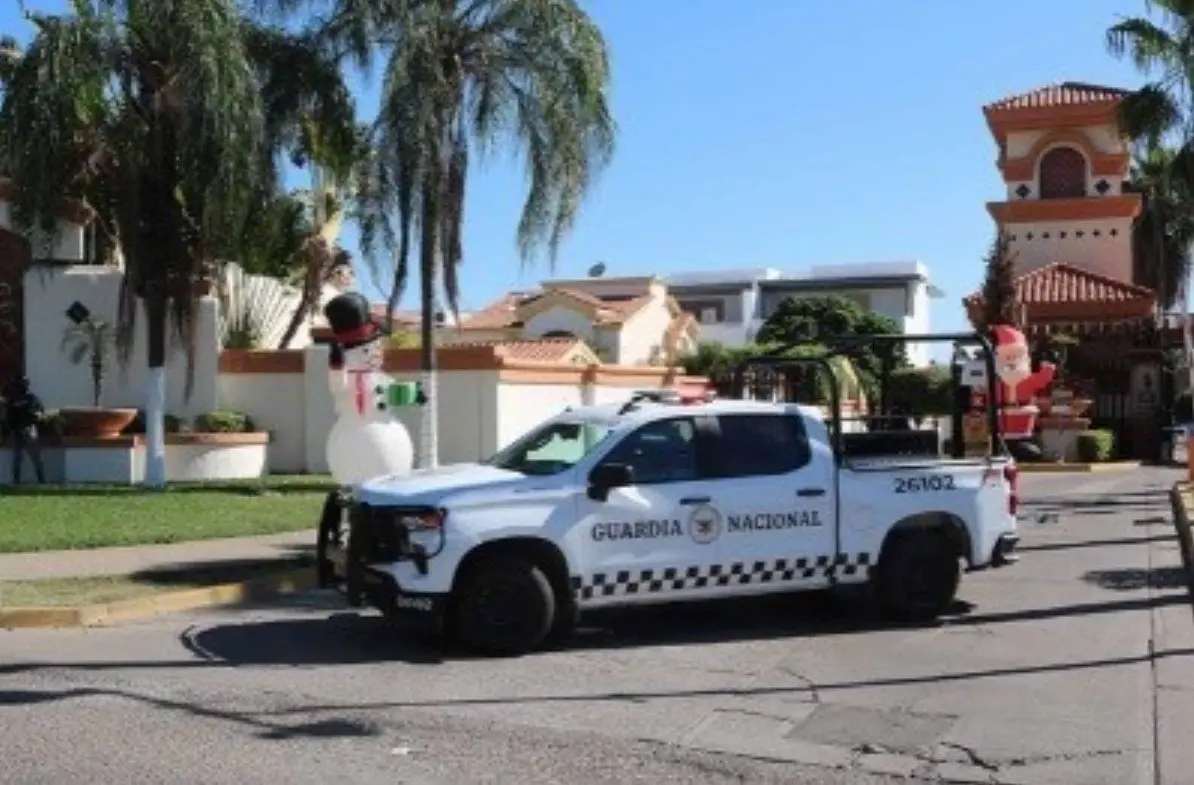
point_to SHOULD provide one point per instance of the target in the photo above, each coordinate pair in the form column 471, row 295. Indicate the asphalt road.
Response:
column 1043, row 676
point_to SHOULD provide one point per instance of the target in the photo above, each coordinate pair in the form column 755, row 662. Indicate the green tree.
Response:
column 463, row 78
column 999, row 302
column 310, row 121
column 712, row 359
column 1163, row 109
column 152, row 113
column 814, row 319
column 920, row 392
column 1164, row 230
column 717, row 361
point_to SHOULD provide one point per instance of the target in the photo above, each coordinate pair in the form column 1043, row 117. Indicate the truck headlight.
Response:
column 424, row 532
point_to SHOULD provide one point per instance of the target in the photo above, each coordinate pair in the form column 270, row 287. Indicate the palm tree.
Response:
column 151, row 111
column 1163, row 109
column 462, row 78
column 1163, row 233
column 311, row 119
column 90, row 340
column 287, row 239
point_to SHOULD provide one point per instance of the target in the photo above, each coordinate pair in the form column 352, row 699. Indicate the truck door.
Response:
column 651, row 541
column 777, row 495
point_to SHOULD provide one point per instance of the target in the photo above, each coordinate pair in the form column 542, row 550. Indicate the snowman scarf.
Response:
column 360, row 379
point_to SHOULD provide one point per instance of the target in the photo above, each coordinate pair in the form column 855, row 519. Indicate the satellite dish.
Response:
column 597, row 270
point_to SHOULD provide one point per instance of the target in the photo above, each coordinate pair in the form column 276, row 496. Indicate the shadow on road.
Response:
column 1070, row 545
column 337, row 727
column 1135, row 579
column 212, row 573
column 351, row 638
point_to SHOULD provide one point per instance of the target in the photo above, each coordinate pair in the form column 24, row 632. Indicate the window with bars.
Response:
column 1062, row 174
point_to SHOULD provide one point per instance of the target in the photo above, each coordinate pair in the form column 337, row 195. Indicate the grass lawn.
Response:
column 57, row 592
column 60, row 517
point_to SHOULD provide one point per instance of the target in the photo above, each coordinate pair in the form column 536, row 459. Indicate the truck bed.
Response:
column 921, row 443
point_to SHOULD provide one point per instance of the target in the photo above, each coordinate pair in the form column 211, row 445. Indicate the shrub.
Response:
column 1096, row 446
column 226, row 421
column 172, row 423
column 920, row 392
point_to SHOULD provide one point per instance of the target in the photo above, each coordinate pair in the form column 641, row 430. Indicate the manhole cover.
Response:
column 853, row 726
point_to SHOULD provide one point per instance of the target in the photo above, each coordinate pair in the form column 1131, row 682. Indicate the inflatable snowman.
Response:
column 365, row 441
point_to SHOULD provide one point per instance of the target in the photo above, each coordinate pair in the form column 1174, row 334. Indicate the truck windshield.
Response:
column 551, row 448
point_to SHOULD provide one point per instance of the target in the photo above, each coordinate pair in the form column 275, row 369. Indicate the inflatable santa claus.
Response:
column 1018, row 384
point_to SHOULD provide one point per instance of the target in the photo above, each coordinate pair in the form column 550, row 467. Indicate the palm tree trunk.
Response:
column 428, row 250
column 155, row 391
column 97, row 376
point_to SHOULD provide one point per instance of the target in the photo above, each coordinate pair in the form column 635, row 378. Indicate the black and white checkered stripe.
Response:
column 668, row 579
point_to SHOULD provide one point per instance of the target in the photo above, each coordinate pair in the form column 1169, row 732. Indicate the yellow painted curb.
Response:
column 1077, row 468
column 166, row 602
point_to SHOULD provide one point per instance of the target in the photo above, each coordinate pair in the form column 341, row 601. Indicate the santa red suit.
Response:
column 1018, row 384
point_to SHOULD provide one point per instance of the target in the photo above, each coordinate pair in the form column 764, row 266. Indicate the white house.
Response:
column 628, row 321
column 731, row 305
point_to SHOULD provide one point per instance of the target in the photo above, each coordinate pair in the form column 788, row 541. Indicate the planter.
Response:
column 96, row 423
column 120, row 460
column 1080, row 406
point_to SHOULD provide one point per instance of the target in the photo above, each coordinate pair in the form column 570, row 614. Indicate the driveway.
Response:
column 1044, row 675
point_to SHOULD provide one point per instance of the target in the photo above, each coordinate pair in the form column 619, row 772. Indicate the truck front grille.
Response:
column 378, row 534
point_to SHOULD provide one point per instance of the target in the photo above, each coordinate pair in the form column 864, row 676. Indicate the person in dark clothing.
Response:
column 22, row 415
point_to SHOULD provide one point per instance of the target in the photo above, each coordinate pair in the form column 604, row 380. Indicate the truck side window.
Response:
column 660, row 451
column 753, row 445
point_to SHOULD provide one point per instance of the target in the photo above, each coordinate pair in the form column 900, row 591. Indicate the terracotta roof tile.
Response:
column 577, row 294
column 1060, row 290
column 401, row 318
column 504, row 312
column 1062, row 94
column 624, row 309
column 547, row 350
column 498, row 314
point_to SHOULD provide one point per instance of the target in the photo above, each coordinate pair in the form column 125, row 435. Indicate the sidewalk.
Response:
column 1173, row 677
column 123, row 561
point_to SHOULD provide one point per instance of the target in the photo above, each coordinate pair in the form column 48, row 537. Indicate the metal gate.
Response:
column 1112, row 411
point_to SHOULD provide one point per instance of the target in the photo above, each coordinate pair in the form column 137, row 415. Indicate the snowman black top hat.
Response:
column 351, row 320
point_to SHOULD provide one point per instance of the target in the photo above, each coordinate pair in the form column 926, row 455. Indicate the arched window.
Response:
column 1062, row 174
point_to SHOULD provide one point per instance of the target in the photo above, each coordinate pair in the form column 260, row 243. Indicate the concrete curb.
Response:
column 1181, row 524
column 1077, row 468
column 275, row 585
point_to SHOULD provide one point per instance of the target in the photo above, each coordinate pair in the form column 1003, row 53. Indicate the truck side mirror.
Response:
column 608, row 476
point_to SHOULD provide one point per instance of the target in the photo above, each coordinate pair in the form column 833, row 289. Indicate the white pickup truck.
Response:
column 651, row 502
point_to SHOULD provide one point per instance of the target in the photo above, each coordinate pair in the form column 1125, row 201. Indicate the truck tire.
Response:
column 329, row 527
column 504, row 607
column 918, row 575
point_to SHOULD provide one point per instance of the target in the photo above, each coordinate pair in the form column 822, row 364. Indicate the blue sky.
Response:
column 784, row 133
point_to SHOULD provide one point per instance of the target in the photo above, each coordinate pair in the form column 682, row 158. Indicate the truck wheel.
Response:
column 329, row 529
column 504, row 607
column 918, row 576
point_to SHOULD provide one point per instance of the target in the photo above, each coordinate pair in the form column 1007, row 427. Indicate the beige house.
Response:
column 627, row 321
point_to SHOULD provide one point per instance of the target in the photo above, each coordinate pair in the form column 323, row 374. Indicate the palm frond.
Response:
column 1145, row 43
column 1149, row 113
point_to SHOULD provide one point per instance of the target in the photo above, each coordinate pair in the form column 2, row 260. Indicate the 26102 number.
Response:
column 928, row 482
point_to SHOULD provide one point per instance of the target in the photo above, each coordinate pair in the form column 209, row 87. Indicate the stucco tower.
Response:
column 1064, row 162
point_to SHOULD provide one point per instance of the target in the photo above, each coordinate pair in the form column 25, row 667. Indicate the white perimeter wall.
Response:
column 287, row 394
column 50, row 291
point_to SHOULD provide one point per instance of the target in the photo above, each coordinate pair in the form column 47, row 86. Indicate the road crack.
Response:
column 810, row 686
column 992, row 764
column 972, row 756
